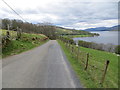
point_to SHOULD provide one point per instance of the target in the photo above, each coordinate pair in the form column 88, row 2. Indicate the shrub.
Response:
column 67, row 40
column 117, row 49
column 102, row 47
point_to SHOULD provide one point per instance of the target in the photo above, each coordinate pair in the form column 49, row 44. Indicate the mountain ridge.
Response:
column 114, row 28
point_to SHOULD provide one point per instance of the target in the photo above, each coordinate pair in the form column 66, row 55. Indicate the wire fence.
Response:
column 96, row 69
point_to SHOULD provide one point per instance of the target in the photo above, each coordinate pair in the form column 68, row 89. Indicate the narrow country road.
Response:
column 43, row 67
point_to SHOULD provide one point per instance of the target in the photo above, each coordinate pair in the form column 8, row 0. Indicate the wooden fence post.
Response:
column 8, row 34
column 8, row 27
column 78, row 54
column 105, row 70
column 17, row 29
column 18, row 33
column 71, row 46
column 87, row 61
column 68, row 44
column 65, row 43
column 72, row 50
column 7, row 39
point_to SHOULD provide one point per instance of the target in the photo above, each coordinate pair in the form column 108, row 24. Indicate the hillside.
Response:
column 64, row 31
column 114, row 28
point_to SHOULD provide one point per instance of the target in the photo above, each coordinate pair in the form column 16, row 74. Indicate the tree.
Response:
column 117, row 49
column 42, row 28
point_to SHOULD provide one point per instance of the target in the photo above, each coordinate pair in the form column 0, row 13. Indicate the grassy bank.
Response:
column 91, row 77
column 26, row 42
column 75, row 36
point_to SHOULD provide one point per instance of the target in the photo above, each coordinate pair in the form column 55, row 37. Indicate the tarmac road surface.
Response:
column 43, row 67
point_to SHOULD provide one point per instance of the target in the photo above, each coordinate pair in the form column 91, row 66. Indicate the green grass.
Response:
column 16, row 47
column 14, row 34
column 25, row 43
column 75, row 36
column 92, row 77
column 65, row 31
column 61, row 31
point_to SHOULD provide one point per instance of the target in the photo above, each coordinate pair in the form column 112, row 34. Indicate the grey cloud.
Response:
column 70, row 13
column 84, row 12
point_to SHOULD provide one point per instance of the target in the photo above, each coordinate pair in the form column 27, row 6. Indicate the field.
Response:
column 91, row 78
column 61, row 31
column 26, row 42
column 73, row 32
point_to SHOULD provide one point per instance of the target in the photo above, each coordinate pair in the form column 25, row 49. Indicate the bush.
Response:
column 102, row 47
column 85, row 44
column 67, row 40
column 117, row 49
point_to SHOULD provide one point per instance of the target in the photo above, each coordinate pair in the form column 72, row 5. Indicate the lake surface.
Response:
column 106, row 37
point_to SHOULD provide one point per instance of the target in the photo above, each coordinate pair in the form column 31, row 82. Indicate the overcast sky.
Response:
column 78, row 14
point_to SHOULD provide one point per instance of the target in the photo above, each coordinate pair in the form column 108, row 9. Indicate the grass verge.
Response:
column 75, row 36
column 16, row 47
column 92, row 77
column 26, row 42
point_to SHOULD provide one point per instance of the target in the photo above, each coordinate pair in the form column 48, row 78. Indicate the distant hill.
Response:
column 114, row 28
column 65, row 31
column 96, row 29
